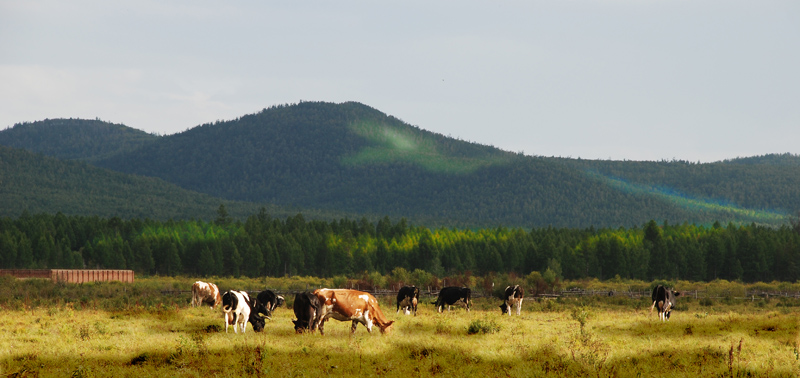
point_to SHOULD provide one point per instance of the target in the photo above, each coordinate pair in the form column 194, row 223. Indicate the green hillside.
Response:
column 38, row 184
column 762, row 190
column 352, row 159
column 75, row 138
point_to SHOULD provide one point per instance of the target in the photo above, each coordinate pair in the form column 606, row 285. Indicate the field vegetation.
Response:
column 148, row 328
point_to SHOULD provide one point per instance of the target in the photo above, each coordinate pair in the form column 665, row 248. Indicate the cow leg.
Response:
column 354, row 326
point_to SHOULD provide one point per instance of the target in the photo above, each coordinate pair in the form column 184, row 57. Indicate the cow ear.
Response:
column 676, row 293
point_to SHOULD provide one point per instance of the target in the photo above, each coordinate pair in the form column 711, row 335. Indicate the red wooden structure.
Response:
column 73, row 275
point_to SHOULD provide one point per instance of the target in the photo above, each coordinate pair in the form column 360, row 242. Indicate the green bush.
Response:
column 483, row 327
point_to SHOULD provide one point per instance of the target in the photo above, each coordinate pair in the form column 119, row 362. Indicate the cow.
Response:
column 407, row 299
column 664, row 299
column 452, row 294
column 205, row 293
column 350, row 305
column 238, row 311
column 512, row 298
column 266, row 302
column 306, row 307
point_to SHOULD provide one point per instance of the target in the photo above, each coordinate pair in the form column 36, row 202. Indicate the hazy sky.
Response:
column 605, row 79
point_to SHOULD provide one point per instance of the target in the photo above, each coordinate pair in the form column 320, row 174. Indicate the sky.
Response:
column 692, row 80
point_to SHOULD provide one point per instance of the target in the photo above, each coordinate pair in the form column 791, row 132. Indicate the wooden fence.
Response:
column 636, row 294
column 73, row 275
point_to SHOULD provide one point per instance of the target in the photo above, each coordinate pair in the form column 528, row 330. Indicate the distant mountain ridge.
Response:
column 75, row 139
column 351, row 158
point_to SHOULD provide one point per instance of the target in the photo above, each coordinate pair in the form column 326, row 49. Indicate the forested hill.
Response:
column 34, row 183
column 350, row 157
column 354, row 159
column 75, row 138
column 785, row 159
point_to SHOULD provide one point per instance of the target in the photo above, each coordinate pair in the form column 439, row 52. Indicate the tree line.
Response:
column 265, row 246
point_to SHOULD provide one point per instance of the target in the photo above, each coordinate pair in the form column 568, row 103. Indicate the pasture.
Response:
column 111, row 329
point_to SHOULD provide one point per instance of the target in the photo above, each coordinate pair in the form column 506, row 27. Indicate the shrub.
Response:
column 483, row 326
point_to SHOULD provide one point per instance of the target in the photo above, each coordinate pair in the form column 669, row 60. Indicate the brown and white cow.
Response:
column 350, row 305
column 512, row 297
column 205, row 293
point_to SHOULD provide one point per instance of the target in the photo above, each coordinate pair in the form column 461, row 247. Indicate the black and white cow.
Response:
column 238, row 311
column 306, row 307
column 512, row 297
column 452, row 294
column 266, row 302
column 664, row 299
column 407, row 299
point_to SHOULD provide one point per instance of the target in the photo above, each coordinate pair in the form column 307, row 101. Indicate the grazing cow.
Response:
column 512, row 298
column 306, row 306
column 452, row 294
column 407, row 298
column 238, row 311
column 665, row 300
column 350, row 305
column 266, row 302
column 205, row 293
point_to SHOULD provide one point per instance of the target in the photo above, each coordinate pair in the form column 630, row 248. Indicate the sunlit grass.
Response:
column 617, row 340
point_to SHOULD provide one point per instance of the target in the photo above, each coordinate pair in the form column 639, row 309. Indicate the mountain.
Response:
column 786, row 159
column 351, row 158
column 75, row 139
column 36, row 184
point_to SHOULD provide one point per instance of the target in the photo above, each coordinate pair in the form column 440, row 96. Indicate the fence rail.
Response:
column 697, row 294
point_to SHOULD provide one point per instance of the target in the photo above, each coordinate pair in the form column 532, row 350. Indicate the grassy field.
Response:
column 100, row 330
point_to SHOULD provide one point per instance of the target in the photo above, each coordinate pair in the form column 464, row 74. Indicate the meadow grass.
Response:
column 604, row 337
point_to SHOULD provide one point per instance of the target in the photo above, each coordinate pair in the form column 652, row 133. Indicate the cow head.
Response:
column 300, row 326
column 257, row 322
column 262, row 310
column 504, row 308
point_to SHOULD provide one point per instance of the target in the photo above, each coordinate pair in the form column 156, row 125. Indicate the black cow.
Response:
column 306, row 307
column 408, row 297
column 665, row 300
column 266, row 302
column 452, row 294
column 512, row 297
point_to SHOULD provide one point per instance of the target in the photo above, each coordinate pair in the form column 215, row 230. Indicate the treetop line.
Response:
column 262, row 245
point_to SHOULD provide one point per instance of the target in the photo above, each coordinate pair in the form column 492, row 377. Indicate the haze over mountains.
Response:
column 351, row 160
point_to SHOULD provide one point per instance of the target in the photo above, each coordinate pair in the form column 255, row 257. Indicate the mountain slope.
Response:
column 351, row 158
column 75, row 138
column 35, row 183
